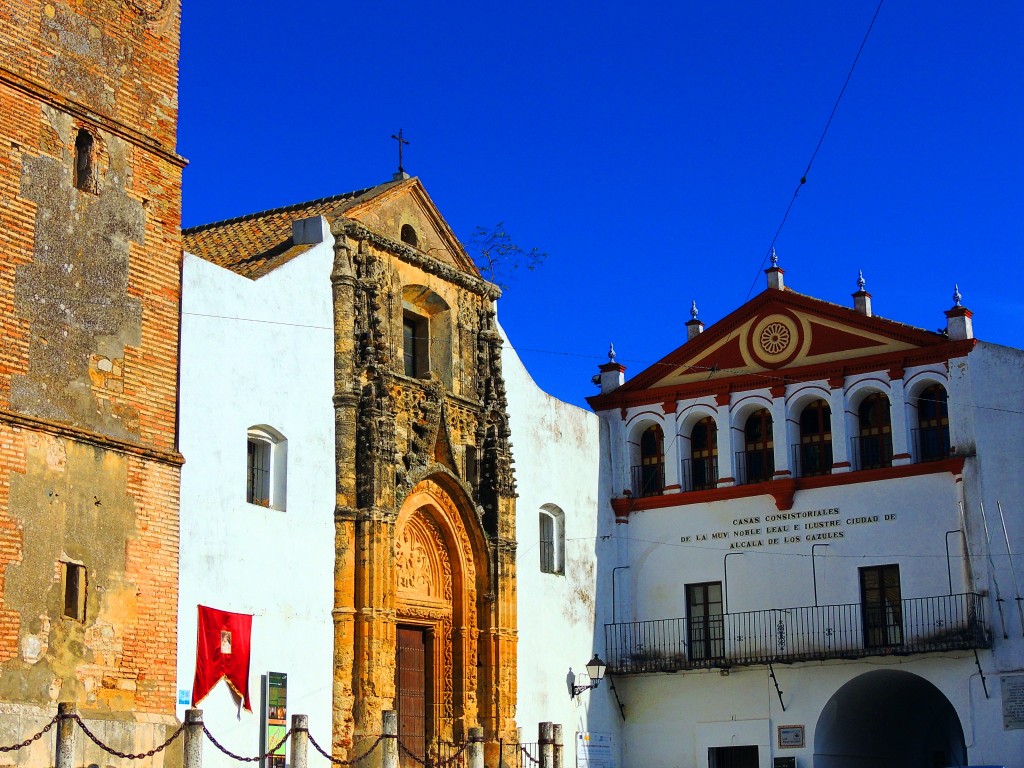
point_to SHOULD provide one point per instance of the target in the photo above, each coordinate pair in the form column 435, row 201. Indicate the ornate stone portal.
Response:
column 425, row 517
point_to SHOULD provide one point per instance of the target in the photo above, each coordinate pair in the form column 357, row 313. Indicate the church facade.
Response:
column 373, row 511
column 820, row 521
column 90, row 193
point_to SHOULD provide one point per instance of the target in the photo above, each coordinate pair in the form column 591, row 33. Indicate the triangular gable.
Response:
column 409, row 204
column 781, row 329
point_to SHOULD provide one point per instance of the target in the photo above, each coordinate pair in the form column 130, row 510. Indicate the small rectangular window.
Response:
column 547, row 544
column 415, row 345
column 73, row 576
column 257, row 487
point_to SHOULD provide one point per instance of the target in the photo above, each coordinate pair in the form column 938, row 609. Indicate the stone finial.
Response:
column 862, row 299
column 959, row 325
column 693, row 325
column 612, row 375
column 774, row 272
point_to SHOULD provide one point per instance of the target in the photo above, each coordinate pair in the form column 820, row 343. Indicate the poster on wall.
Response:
column 791, row 736
column 1012, row 689
column 594, row 750
column 275, row 718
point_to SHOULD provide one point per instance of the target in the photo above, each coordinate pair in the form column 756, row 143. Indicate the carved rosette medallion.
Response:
column 775, row 340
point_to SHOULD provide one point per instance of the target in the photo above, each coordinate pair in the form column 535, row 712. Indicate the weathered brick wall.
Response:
column 89, row 303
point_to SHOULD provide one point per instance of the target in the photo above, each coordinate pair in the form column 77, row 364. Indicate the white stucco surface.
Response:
column 556, row 447
column 259, row 353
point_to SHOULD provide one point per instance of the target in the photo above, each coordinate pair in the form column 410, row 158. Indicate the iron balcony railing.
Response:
column 700, row 474
column 871, row 451
column 786, row 635
column 930, row 443
column 812, row 459
column 755, row 466
column 648, row 479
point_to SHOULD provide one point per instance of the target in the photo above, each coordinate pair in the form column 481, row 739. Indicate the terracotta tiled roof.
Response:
column 256, row 244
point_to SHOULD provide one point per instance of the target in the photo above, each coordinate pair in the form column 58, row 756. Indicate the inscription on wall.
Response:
column 786, row 528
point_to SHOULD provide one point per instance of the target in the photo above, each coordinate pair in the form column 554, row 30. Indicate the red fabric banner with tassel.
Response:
column 222, row 651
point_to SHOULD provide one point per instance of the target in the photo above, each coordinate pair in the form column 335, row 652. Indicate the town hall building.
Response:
column 819, row 534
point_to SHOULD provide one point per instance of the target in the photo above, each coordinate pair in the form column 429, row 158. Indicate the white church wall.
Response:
column 556, row 448
column 259, row 353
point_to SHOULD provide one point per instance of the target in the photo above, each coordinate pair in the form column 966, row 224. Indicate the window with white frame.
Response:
column 552, row 539
column 266, row 468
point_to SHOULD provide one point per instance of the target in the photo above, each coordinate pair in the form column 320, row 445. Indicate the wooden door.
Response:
column 411, row 691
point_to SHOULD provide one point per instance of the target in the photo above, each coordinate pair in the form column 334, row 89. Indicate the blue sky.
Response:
column 651, row 150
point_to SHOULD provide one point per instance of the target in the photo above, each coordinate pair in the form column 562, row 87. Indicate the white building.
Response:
column 803, row 572
column 258, row 375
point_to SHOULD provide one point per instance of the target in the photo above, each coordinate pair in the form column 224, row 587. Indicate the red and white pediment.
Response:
column 780, row 336
column 785, row 336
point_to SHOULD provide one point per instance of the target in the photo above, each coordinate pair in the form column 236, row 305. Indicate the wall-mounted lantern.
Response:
column 595, row 670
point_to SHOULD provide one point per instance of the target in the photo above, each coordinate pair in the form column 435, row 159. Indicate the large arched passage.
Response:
column 888, row 719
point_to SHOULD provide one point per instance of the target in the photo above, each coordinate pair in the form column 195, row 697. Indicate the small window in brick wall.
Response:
column 84, row 162
column 409, row 235
column 73, row 578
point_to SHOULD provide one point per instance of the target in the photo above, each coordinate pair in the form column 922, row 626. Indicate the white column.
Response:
column 673, row 464
column 840, row 434
column 726, row 445
column 900, row 435
column 780, row 434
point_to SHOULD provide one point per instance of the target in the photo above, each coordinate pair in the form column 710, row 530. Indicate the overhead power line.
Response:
column 817, row 147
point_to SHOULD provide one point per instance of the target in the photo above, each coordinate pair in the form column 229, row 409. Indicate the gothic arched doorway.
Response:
column 437, row 562
column 885, row 719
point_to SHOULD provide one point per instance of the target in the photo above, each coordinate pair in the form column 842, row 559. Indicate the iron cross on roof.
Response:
column 400, row 141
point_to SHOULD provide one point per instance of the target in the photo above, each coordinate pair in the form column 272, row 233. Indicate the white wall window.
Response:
column 552, row 539
column 266, row 467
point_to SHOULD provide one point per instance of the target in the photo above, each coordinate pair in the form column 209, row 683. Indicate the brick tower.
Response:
column 90, row 255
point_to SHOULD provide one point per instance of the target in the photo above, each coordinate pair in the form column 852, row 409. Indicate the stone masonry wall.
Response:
column 89, row 303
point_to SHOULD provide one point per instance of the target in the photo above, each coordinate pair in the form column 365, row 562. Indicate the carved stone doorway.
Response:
column 435, row 597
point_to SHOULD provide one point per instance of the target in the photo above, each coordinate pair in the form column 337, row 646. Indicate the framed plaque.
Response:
column 791, row 736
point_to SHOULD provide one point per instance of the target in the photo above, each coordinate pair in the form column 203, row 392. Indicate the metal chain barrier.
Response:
column 26, row 742
column 530, row 757
column 181, row 728
column 241, row 759
column 123, row 755
column 353, row 761
column 435, row 763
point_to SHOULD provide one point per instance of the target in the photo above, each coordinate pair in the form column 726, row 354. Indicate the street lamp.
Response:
column 595, row 670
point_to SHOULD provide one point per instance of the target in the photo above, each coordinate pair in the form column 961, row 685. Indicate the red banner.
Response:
column 222, row 651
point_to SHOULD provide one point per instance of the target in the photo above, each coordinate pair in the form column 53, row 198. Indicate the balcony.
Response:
column 700, row 474
column 787, row 635
column 871, row 451
column 930, row 443
column 647, row 479
column 756, row 466
column 812, row 459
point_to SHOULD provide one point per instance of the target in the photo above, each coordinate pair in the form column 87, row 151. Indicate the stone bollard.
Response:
column 193, row 750
column 547, row 745
column 66, row 735
column 300, row 741
column 556, row 737
column 476, row 748
column 389, row 744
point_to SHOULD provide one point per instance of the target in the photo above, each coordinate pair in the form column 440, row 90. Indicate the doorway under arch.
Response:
column 889, row 718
